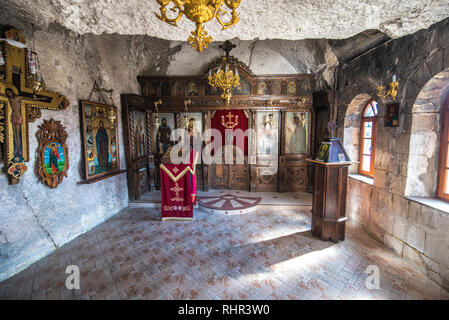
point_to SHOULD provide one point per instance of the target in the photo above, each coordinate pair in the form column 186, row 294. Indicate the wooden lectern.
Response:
column 329, row 194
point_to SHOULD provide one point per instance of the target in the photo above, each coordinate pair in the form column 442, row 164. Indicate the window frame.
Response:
column 363, row 120
column 443, row 153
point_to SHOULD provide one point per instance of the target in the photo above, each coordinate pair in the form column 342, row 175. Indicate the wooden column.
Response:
column 252, row 153
column 205, row 167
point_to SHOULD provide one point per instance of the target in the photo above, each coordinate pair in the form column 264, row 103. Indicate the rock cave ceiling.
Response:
column 260, row 19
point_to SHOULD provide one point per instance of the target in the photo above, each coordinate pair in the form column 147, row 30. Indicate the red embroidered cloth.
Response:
column 232, row 120
column 178, row 190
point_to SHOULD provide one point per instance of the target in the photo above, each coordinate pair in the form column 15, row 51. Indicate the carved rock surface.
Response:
column 263, row 19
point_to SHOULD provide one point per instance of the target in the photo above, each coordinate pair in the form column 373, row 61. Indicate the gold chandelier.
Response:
column 199, row 12
column 225, row 79
column 394, row 86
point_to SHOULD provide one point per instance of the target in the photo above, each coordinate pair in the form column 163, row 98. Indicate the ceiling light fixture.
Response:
column 199, row 12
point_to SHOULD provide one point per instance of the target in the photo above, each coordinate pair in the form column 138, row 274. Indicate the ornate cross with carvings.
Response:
column 227, row 46
column 22, row 95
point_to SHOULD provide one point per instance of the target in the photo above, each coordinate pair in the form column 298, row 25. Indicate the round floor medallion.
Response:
column 229, row 203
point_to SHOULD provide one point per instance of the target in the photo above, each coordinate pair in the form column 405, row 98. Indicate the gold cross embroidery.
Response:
column 229, row 124
column 177, row 189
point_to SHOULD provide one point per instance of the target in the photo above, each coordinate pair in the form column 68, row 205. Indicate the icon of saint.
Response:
column 193, row 132
column 163, row 137
column 297, row 143
column 54, row 157
column 140, row 138
column 102, row 140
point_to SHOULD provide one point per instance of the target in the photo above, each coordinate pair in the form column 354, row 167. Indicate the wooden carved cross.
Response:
column 227, row 46
column 332, row 128
column 21, row 98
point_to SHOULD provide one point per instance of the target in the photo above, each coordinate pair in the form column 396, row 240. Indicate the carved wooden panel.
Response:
column 296, row 178
column 294, row 175
column 267, row 179
column 239, row 176
column 143, row 183
column 157, row 171
column 219, row 176
column 199, row 177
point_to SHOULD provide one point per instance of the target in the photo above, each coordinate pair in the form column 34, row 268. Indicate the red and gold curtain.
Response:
column 230, row 119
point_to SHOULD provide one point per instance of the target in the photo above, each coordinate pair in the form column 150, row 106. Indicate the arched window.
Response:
column 368, row 130
column 443, row 165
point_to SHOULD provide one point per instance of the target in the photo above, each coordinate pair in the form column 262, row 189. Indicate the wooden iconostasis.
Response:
column 278, row 107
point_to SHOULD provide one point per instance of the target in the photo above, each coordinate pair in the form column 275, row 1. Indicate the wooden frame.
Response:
column 365, row 119
column 52, row 150
column 103, row 117
column 443, row 166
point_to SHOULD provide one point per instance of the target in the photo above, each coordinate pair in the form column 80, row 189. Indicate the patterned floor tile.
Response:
column 265, row 254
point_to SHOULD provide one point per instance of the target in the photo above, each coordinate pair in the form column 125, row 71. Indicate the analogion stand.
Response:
column 329, row 192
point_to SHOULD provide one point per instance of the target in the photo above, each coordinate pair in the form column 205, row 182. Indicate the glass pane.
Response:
column 446, row 190
column 374, row 105
column 369, row 112
column 366, row 161
column 367, row 132
column 366, row 146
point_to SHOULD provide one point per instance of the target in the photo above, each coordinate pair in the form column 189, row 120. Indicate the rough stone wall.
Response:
column 35, row 219
column 424, row 136
column 415, row 231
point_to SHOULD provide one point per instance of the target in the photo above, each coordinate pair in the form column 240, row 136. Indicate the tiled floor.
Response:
column 267, row 254
column 268, row 198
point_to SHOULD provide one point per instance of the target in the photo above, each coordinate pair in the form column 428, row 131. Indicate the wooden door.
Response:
column 136, row 114
column 230, row 176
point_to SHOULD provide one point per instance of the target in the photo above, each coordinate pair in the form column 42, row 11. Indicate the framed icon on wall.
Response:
column 392, row 115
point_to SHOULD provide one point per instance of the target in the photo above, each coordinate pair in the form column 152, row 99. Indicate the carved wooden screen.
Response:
column 287, row 96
